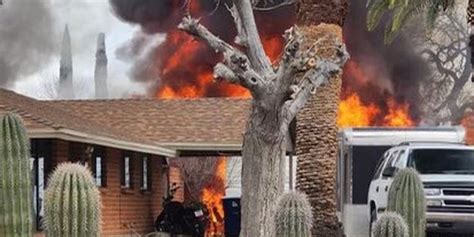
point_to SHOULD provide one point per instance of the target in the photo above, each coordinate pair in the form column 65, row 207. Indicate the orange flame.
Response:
column 354, row 113
column 212, row 198
column 398, row 115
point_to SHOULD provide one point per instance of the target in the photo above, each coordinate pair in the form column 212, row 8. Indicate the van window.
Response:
column 443, row 161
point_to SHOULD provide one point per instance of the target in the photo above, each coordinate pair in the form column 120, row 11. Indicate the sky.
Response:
column 86, row 19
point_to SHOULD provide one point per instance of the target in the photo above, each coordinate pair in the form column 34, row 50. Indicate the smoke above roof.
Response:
column 26, row 38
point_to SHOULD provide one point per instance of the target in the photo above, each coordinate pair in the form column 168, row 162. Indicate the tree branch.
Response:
column 283, row 4
column 236, row 67
column 318, row 74
column 311, row 81
column 192, row 27
column 241, row 37
column 255, row 50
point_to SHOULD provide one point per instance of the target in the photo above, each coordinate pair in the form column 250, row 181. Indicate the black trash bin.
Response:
column 231, row 217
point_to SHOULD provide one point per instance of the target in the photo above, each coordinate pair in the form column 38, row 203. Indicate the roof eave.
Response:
column 75, row 136
column 195, row 146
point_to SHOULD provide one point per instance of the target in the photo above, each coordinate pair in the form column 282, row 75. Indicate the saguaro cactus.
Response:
column 72, row 203
column 390, row 224
column 407, row 197
column 293, row 216
column 16, row 206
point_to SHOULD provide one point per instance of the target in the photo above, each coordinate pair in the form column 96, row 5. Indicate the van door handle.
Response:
column 386, row 188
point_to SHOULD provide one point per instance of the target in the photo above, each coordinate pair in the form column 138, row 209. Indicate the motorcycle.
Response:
column 176, row 219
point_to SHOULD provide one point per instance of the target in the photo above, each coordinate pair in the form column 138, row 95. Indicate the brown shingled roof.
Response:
column 199, row 121
column 194, row 122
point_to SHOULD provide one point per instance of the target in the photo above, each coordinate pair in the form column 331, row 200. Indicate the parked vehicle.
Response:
column 178, row 220
column 447, row 172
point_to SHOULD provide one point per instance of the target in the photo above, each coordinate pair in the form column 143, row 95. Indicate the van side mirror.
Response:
column 389, row 172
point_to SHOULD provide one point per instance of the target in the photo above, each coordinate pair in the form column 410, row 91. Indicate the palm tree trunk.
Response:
column 316, row 146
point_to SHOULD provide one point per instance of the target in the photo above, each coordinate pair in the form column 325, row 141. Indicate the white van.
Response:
column 447, row 172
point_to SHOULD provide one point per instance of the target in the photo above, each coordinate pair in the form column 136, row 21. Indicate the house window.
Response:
column 126, row 171
column 99, row 167
column 146, row 174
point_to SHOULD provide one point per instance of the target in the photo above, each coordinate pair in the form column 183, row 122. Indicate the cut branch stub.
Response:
column 293, row 41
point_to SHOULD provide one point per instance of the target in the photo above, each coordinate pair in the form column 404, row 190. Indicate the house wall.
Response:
column 125, row 211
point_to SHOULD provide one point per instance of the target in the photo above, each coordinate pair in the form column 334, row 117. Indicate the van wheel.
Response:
column 373, row 219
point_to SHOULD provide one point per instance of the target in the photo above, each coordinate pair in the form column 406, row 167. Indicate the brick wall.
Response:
column 175, row 177
column 128, row 210
column 468, row 123
column 125, row 211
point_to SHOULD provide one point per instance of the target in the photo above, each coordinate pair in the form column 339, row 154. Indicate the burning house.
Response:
column 134, row 143
column 381, row 84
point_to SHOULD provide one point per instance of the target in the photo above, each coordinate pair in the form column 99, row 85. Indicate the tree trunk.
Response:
column 262, row 172
column 316, row 144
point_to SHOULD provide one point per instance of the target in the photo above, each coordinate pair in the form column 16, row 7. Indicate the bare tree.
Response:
column 196, row 172
column 278, row 92
column 446, row 95
column 49, row 88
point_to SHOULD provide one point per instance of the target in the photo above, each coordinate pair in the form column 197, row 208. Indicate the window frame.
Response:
column 381, row 165
column 129, row 155
column 401, row 159
column 146, row 162
column 99, row 152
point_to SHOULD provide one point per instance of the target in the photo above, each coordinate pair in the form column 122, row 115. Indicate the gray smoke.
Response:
column 27, row 38
column 396, row 69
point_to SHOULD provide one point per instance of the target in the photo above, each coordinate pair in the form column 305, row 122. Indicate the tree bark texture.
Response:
column 314, row 12
column 316, row 143
column 317, row 147
column 262, row 172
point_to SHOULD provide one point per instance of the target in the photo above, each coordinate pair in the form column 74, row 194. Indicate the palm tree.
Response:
column 316, row 146
column 403, row 10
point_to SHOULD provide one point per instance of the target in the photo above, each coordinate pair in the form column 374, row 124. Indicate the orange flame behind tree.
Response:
column 212, row 197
